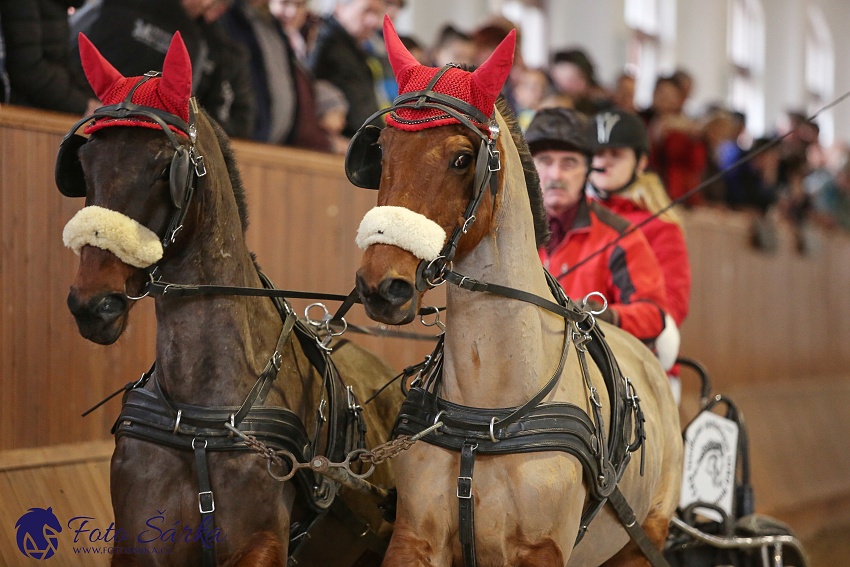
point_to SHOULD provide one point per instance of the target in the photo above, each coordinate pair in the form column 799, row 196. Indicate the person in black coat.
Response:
column 37, row 56
column 338, row 57
column 4, row 77
column 134, row 36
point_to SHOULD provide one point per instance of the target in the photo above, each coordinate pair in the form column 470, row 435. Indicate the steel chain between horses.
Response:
column 375, row 457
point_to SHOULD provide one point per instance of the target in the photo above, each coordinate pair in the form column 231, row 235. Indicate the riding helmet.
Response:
column 560, row 129
column 616, row 128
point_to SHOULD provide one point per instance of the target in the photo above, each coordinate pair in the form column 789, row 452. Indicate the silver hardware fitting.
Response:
column 594, row 397
column 467, row 224
column 177, row 424
column 323, row 325
column 495, row 161
column 200, row 166
column 438, row 416
column 466, row 485
column 595, row 294
column 146, row 288
column 352, row 400
column 174, row 234
column 277, row 360
column 438, row 279
column 580, row 338
column 436, row 322
column 494, row 131
column 201, row 503
column 492, row 432
column 631, row 393
column 321, row 411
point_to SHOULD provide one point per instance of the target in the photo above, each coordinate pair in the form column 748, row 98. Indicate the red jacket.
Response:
column 668, row 243
column 626, row 273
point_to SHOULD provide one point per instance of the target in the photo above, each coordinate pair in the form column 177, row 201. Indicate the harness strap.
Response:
column 206, row 501
column 635, row 530
column 568, row 312
column 261, row 387
column 466, row 503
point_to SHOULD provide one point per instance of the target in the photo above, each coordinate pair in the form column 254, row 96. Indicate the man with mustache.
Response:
column 626, row 272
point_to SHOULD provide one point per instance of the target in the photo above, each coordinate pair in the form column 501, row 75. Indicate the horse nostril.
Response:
column 111, row 307
column 397, row 291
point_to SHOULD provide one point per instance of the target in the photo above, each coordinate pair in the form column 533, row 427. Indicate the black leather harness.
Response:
column 149, row 414
column 537, row 426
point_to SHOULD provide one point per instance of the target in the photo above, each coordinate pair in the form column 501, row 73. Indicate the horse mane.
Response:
column 232, row 170
column 532, row 181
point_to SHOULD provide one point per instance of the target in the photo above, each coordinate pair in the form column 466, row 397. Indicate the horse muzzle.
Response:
column 100, row 319
column 389, row 300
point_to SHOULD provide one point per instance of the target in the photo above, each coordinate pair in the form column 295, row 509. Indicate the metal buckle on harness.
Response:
column 464, row 487
column 208, row 494
column 352, row 400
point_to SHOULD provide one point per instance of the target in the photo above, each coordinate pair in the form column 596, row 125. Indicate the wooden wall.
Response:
column 771, row 328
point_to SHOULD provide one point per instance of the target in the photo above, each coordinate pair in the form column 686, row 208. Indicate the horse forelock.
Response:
column 532, row 181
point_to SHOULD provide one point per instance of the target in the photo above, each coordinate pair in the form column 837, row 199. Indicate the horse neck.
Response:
column 211, row 349
column 499, row 351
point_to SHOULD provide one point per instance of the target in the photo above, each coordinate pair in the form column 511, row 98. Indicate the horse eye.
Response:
column 462, row 161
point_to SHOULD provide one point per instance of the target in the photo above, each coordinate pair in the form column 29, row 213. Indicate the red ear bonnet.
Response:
column 170, row 92
column 479, row 88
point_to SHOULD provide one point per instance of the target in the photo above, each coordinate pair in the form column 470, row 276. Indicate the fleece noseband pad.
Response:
column 363, row 158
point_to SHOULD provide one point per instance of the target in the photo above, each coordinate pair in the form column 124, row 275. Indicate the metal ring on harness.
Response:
column 492, row 433
column 597, row 294
column 146, row 288
column 440, row 280
column 293, row 467
column 347, row 464
column 436, row 321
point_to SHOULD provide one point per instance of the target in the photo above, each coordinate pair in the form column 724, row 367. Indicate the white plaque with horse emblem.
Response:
column 711, row 451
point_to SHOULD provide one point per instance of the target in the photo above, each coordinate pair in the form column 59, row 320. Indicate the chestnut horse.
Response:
column 216, row 355
column 499, row 351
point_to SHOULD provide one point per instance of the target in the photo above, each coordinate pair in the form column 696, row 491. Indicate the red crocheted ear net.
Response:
column 478, row 88
column 170, row 92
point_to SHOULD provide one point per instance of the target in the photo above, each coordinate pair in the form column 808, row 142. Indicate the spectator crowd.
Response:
column 274, row 72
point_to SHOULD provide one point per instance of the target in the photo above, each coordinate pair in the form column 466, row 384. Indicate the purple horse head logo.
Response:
column 38, row 533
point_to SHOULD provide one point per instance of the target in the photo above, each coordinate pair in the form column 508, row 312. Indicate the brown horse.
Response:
column 210, row 350
column 499, row 351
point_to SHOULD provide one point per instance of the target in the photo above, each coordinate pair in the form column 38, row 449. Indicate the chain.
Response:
column 323, row 465
column 387, row 451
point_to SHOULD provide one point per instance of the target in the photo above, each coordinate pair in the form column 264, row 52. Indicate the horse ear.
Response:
column 100, row 73
column 176, row 82
column 400, row 58
column 492, row 74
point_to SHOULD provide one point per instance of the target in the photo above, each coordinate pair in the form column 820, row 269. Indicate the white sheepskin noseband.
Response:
column 131, row 242
column 404, row 228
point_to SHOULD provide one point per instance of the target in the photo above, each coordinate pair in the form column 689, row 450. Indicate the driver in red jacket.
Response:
column 626, row 272
column 620, row 182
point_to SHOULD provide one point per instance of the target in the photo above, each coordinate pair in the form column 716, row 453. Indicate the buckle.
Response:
column 201, row 498
column 464, row 487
